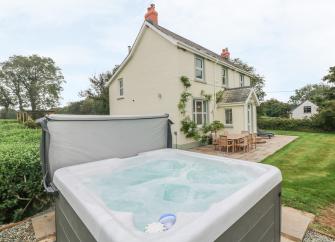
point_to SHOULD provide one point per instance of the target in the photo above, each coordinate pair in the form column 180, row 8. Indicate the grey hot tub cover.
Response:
column 74, row 139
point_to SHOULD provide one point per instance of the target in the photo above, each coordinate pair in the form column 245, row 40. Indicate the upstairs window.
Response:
column 199, row 68
column 121, row 87
column 200, row 111
column 241, row 80
column 224, row 76
column 229, row 116
column 307, row 109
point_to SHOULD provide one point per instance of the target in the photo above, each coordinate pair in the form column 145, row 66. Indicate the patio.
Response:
column 261, row 152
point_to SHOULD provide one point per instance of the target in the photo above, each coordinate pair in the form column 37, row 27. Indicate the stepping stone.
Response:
column 44, row 226
column 49, row 239
column 284, row 239
column 295, row 223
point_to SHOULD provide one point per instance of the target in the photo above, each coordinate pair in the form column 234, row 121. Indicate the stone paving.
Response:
column 44, row 227
column 295, row 223
column 261, row 152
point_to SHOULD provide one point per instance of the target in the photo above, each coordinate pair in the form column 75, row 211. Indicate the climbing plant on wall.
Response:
column 207, row 97
column 219, row 96
column 188, row 126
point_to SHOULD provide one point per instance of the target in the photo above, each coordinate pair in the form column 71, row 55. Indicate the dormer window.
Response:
column 199, row 68
column 241, row 80
column 224, row 76
column 307, row 109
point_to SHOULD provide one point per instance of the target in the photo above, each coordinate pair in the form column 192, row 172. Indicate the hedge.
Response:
column 21, row 190
column 289, row 124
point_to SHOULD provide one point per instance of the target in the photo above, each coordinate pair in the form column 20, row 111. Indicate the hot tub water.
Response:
column 150, row 188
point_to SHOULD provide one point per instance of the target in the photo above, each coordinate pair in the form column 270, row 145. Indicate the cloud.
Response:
column 290, row 42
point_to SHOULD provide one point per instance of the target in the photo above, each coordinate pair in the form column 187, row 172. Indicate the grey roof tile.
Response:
column 236, row 95
column 194, row 45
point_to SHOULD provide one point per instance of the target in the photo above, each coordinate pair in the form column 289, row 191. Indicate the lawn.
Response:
column 308, row 168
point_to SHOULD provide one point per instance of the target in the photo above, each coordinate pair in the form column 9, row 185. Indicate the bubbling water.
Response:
column 160, row 186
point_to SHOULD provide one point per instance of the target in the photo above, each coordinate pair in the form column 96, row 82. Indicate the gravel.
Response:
column 312, row 236
column 18, row 233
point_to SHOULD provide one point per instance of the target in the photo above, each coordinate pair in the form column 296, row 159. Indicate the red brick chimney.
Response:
column 225, row 53
column 151, row 15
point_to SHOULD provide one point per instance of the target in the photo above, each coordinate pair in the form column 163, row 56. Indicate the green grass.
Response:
column 21, row 190
column 308, row 168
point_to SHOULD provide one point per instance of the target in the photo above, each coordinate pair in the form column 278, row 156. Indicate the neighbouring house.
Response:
column 305, row 110
column 148, row 82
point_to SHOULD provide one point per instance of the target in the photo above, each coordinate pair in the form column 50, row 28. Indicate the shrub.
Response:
column 288, row 124
column 21, row 190
column 31, row 124
column 326, row 118
column 189, row 128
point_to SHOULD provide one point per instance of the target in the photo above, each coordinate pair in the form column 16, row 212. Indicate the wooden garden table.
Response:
column 235, row 138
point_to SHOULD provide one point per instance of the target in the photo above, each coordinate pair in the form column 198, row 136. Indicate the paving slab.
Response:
column 295, row 223
column 44, row 226
column 261, row 152
column 284, row 239
column 49, row 239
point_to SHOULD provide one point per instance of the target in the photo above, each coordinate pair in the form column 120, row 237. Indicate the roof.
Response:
column 299, row 105
column 179, row 41
column 194, row 45
column 239, row 95
column 236, row 95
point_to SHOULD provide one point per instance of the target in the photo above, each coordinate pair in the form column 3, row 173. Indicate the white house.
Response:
column 148, row 82
column 305, row 110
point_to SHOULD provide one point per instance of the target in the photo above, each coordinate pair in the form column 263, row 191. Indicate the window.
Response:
column 200, row 111
column 307, row 109
column 241, row 80
column 224, row 76
column 121, row 87
column 199, row 68
column 229, row 116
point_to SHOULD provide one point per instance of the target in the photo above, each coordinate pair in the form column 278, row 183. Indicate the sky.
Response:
column 290, row 42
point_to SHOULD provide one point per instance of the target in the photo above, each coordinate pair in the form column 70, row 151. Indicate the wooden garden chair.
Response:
column 243, row 144
column 224, row 143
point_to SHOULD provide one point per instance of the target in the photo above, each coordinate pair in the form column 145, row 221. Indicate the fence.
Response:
column 24, row 116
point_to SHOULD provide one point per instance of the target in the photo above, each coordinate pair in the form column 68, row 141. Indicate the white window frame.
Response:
column 231, row 118
column 224, row 76
column 241, row 80
column 204, row 111
column 202, row 69
column 121, row 87
column 310, row 109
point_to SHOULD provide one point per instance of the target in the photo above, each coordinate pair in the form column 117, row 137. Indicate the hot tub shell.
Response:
column 251, row 214
column 259, row 223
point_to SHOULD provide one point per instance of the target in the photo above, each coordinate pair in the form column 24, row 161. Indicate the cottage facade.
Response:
column 148, row 82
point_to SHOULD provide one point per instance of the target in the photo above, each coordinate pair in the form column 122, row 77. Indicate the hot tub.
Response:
column 214, row 199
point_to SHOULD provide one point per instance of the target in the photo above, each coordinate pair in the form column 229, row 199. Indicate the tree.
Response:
column 35, row 81
column 274, row 108
column 316, row 93
column 326, row 116
column 99, row 92
column 330, row 77
column 257, row 81
column 6, row 99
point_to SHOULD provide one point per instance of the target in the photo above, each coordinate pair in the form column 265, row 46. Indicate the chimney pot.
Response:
column 225, row 53
column 129, row 48
column 151, row 15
